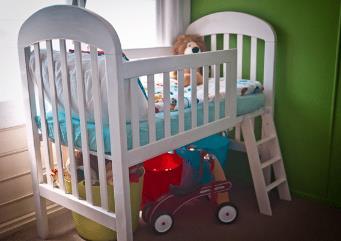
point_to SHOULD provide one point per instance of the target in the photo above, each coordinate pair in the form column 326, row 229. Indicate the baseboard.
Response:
column 310, row 196
column 14, row 225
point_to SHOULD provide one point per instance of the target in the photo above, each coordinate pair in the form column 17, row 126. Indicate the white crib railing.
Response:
column 149, row 67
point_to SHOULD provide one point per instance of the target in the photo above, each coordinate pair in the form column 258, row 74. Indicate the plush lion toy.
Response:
column 189, row 44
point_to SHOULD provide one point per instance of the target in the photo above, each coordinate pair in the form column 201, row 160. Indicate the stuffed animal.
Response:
column 189, row 44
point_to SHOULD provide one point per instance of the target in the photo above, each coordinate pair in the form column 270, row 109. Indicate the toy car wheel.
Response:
column 163, row 223
column 146, row 211
column 227, row 213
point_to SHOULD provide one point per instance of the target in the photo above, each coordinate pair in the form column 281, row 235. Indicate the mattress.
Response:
column 245, row 104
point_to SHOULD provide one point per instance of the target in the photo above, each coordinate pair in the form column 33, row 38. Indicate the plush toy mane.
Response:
column 181, row 42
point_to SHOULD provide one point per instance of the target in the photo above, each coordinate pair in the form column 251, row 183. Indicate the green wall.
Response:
column 306, row 88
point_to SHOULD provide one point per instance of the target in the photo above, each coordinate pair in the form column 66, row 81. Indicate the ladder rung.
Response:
column 266, row 139
column 275, row 184
column 271, row 161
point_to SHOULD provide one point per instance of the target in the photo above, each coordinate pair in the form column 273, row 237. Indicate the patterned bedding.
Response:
column 244, row 87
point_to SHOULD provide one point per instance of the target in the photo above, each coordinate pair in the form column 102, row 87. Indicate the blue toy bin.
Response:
column 214, row 144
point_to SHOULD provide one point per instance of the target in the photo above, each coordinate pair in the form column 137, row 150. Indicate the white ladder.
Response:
column 263, row 156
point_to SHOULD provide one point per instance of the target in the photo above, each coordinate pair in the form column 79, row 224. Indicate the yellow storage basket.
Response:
column 93, row 231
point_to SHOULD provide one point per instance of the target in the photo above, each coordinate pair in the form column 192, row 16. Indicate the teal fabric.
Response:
column 214, row 144
column 245, row 104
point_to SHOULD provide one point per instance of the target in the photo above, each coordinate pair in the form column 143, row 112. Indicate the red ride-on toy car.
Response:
column 160, row 214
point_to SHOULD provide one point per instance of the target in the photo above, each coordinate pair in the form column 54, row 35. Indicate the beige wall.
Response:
column 16, row 201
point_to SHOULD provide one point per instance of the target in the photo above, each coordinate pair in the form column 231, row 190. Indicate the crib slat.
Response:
column 226, row 41
column 96, row 93
column 213, row 42
column 231, row 94
column 166, row 102
column 226, row 46
column 42, row 112
column 194, row 97
column 83, row 122
column 217, row 91
column 135, row 124
column 151, row 108
column 213, row 48
column 181, row 100
column 206, row 83
column 55, row 114
column 67, row 106
column 253, row 61
column 239, row 55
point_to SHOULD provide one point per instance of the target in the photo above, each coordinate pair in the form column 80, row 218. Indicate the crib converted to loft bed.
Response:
column 97, row 106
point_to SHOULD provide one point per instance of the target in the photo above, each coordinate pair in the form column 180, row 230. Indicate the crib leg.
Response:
column 41, row 216
column 39, row 202
column 122, row 203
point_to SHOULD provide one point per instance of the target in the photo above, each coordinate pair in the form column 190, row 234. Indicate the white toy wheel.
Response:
column 227, row 213
column 163, row 223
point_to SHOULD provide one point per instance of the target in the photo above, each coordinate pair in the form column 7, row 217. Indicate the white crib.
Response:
column 63, row 23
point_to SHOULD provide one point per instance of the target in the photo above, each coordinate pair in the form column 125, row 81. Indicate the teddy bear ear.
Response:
column 177, row 43
column 180, row 37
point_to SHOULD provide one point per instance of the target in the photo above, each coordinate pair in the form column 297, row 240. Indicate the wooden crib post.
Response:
column 33, row 144
column 118, row 146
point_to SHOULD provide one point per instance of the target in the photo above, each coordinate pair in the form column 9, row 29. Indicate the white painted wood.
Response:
column 240, row 56
column 266, row 139
column 151, row 108
column 118, row 146
column 213, row 42
column 232, row 22
column 269, row 61
column 142, row 67
column 143, row 53
column 206, row 84
column 58, row 22
column 242, row 24
column 213, row 48
column 166, row 102
column 270, row 162
column 135, row 123
column 42, row 109
column 181, row 99
column 194, row 109
column 56, row 129
column 98, row 214
column 226, row 41
column 83, row 121
column 68, row 115
column 33, row 142
column 145, row 152
column 232, row 89
column 255, row 167
column 253, row 58
column 274, row 149
column 217, row 91
column 226, row 45
column 237, row 134
column 275, row 184
column 96, row 93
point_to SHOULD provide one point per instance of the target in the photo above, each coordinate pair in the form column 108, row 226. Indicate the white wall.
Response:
column 12, row 15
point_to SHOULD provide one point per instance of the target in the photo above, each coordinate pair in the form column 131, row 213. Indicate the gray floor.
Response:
column 296, row 220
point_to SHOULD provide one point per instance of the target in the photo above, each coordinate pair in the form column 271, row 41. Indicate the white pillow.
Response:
column 89, row 103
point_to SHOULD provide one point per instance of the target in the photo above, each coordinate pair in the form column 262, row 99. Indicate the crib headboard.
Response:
column 242, row 24
column 54, row 26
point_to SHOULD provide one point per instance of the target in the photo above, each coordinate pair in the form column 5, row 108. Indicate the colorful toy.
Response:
column 160, row 214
